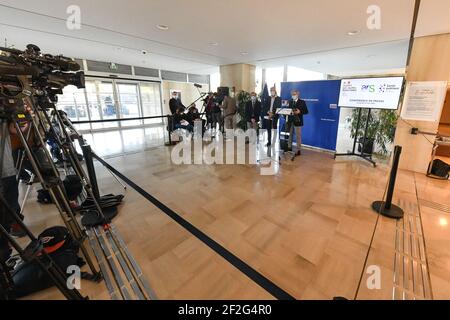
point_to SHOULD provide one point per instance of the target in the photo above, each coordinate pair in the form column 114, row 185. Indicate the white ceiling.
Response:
column 307, row 33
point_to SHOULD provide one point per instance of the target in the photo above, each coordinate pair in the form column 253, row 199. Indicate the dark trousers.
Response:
column 269, row 125
column 9, row 189
column 26, row 164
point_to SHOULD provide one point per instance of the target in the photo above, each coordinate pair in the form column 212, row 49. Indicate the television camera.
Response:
column 30, row 73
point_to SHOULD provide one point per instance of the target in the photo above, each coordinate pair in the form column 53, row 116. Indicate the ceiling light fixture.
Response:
column 214, row 44
column 244, row 53
column 353, row 32
column 162, row 27
column 144, row 51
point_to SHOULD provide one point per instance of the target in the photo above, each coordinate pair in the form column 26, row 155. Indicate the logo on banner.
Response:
column 368, row 88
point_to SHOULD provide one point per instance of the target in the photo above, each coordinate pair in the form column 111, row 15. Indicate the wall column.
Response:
column 240, row 76
column 429, row 62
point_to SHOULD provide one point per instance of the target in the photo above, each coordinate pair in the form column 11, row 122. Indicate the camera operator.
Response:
column 208, row 103
column 217, row 111
column 10, row 193
column 18, row 149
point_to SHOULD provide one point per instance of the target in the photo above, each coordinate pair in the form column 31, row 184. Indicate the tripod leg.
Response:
column 27, row 193
column 73, row 225
column 49, row 267
column 56, row 192
column 4, row 131
column 117, row 179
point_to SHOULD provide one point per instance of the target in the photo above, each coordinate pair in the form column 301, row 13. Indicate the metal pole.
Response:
column 393, row 177
column 386, row 208
column 357, row 129
column 87, row 153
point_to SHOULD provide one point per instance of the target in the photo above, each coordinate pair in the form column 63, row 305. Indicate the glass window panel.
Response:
column 97, row 92
column 258, row 80
column 275, row 76
column 215, row 81
column 73, row 102
column 151, row 101
column 299, row 74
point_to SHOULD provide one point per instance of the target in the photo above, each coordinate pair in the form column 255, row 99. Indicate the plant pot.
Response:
column 368, row 146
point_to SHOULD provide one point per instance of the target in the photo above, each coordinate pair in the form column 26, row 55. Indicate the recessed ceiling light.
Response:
column 214, row 44
column 162, row 27
column 244, row 53
column 119, row 48
column 353, row 32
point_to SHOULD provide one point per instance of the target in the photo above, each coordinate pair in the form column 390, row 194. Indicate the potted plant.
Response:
column 242, row 98
column 380, row 130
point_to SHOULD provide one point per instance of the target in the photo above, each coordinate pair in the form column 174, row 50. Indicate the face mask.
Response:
column 294, row 97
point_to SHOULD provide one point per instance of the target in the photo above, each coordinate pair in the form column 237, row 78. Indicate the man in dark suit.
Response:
column 295, row 121
column 268, row 114
column 175, row 103
column 253, row 111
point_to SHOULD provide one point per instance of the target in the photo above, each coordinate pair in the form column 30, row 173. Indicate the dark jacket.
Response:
column 266, row 108
column 191, row 117
column 300, row 105
column 174, row 104
column 178, row 117
column 252, row 112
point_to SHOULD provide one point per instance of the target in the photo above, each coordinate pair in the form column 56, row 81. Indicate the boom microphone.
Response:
column 198, row 85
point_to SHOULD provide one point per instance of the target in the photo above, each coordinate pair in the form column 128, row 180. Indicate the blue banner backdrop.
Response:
column 322, row 98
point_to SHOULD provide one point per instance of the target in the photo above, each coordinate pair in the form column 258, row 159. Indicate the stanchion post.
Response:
column 386, row 208
column 170, row 128
column 89, row 160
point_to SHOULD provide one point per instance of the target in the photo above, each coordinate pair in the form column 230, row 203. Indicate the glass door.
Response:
column 151, row 101
column 108, row 103
column 128, row 94
column 105, row 99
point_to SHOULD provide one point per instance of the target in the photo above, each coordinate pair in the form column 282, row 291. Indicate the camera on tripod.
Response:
column 45, row 74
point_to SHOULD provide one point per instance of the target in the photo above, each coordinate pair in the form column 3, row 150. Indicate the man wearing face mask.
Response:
column 175, row 103
column 270, row 118
column 295, row 122
column 253, row 111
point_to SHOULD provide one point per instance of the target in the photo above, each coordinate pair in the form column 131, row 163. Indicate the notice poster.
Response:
column 424, row 100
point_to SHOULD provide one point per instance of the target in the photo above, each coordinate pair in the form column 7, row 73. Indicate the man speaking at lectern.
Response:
column 295, row 121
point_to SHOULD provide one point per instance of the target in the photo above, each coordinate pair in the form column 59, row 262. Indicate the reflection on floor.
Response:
column 309, row 228
column 111, row 143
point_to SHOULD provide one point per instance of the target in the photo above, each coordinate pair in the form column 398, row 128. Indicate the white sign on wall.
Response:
column 424, row 100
